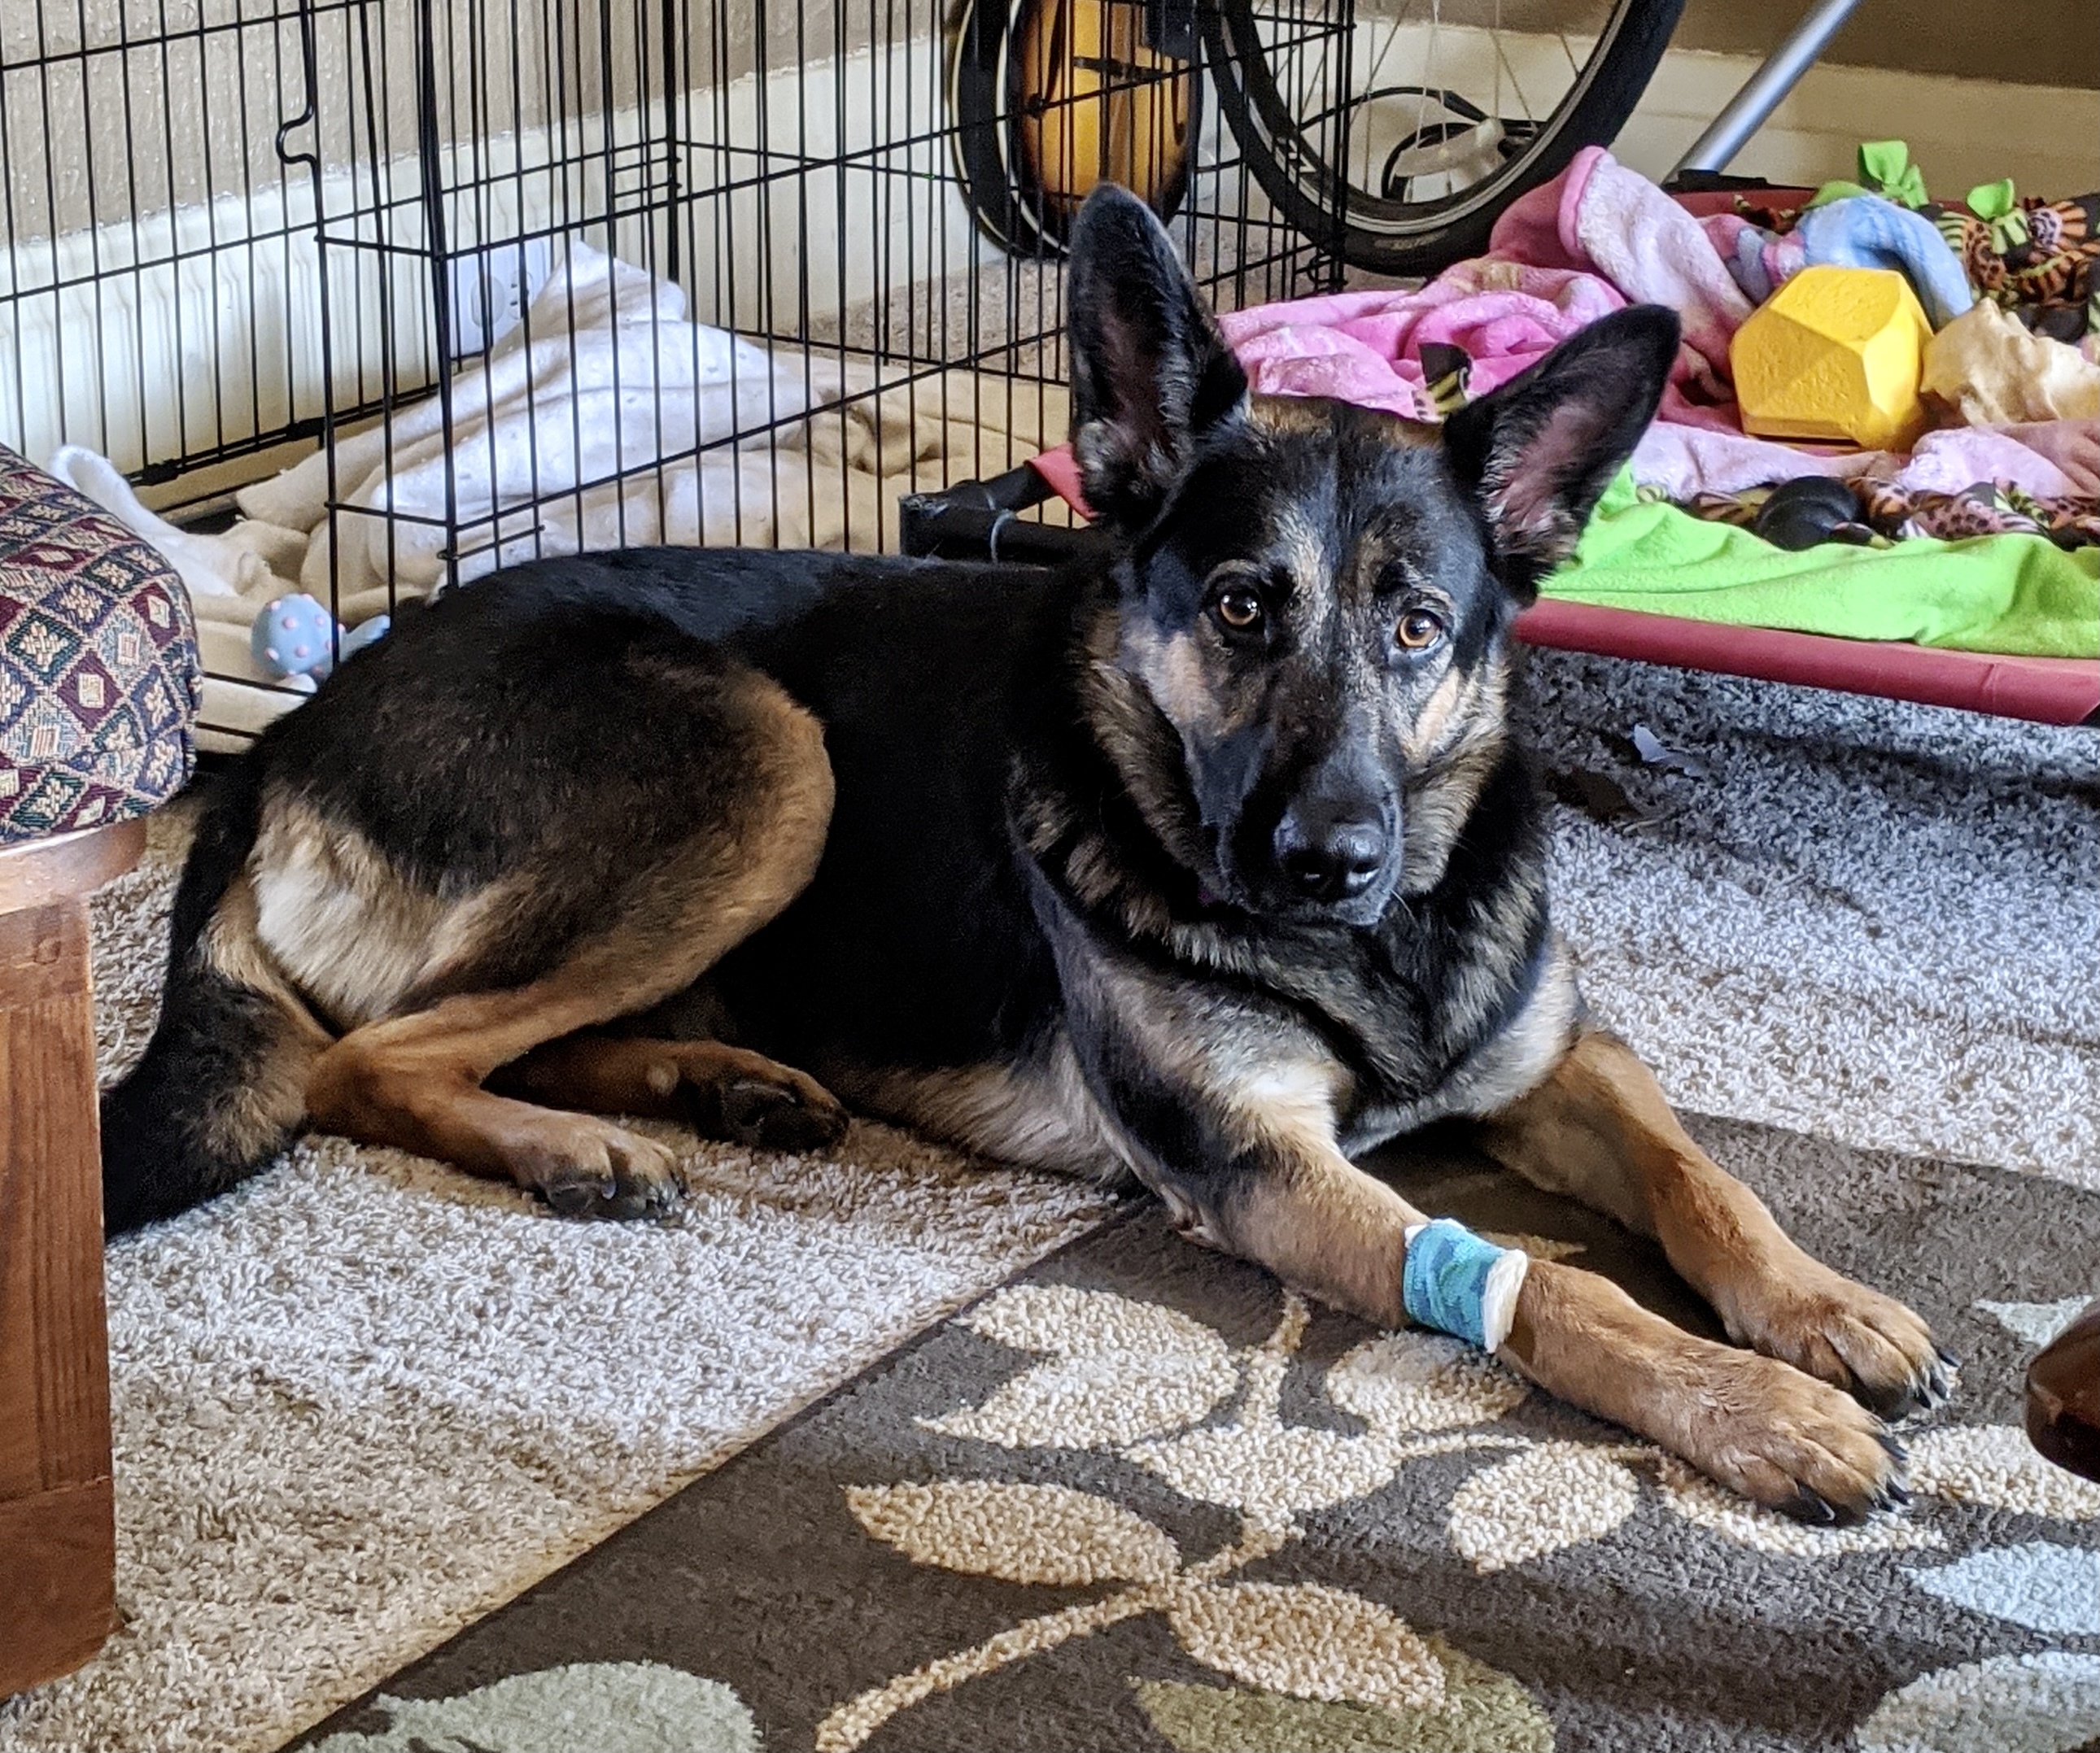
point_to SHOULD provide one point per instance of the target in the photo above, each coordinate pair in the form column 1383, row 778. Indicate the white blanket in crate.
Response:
column 557, row 445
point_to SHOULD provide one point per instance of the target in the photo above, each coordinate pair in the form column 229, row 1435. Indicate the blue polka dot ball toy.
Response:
column 295, row 635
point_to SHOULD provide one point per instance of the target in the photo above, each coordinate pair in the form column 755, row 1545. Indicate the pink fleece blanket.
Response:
column 1597, row 216
column 2051, row 460
column 1598, row 237
column 1366, row 347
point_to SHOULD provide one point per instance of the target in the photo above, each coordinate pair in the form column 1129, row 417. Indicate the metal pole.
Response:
column 1765, row 89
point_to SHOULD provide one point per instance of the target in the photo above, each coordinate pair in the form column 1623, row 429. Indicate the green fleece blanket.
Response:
column 2018, row 595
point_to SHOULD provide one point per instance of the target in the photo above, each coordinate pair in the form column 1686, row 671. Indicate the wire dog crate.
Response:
column 497, row 279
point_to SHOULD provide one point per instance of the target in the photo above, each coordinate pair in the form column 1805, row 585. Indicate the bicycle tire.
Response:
column 1399, row 238
column 977, row 145
column 1008, row 205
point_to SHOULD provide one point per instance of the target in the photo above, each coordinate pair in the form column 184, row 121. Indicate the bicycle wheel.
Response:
column 1046, row 98
column 1396, row 131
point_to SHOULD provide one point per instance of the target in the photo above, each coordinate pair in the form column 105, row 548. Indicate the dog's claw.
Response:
column 1802, row 1447
column 1892, row 1404
column 1844, row 1333
column 569, row 1198
column 1934, row 1385
column 644, row 1201
column 1814, row 1508
column 587, row 1168
column 586, row 1198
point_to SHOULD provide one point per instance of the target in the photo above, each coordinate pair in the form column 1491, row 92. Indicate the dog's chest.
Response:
column 1428, row 1028
column 1494, row 1043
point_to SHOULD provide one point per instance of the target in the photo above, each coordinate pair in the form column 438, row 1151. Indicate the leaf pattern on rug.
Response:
column 1119, row 1376
column 2036, row 1322
column 1690, row 1494
column 1556, row 1496
column 2043, row 1586
column 1403, row 1384
column 1308, row 1641
column 1482, row 1710
column 1123, row 1370
column 2044, row 1703
column 606, row 1706
column 1019, row 1533
column 1304, row 1640
column 1996, row 1466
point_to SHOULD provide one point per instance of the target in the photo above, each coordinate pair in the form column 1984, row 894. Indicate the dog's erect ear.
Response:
column 1539, row 451
column 1151, row 375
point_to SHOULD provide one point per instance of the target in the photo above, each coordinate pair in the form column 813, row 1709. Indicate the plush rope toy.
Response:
column 295, row 635
column 1461, row 1284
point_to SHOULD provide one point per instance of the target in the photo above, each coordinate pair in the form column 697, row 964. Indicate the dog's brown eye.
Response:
column 1418, row 630
column 1239, row 608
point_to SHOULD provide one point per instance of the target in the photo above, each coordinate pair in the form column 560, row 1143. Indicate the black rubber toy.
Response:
column 1815, row 509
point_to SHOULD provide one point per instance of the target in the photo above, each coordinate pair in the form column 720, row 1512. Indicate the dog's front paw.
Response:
column 587, row 1168
column 1799, row 1311
column 1793, row 1443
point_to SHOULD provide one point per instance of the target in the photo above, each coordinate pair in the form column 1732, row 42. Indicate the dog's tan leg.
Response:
column 1598, row 1129
column 726, row 1092
column 1767, row 1430
column 414, row 1080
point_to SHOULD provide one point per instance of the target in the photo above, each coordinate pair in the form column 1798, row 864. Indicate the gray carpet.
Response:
column 365, row 1400
column 1874, row 922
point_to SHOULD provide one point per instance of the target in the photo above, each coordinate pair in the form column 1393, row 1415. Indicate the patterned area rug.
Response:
column 1142, row 1499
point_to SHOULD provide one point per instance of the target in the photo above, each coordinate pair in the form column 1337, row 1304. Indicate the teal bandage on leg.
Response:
column 1458, row 1283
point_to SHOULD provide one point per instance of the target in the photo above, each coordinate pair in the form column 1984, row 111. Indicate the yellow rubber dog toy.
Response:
column 1834, row 357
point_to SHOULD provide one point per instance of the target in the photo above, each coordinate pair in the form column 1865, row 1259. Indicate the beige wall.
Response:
column 2039, row 42
column 116, row 122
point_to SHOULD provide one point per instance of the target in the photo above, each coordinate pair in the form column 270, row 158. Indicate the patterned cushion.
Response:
column 99, row 683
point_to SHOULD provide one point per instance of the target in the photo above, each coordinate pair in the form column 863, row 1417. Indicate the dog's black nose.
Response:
column 1330, row 857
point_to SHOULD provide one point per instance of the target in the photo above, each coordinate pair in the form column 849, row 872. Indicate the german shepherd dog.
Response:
column 1213, row 864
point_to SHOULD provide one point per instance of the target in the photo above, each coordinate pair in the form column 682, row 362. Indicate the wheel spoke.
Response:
column 1500, row 62
column 1516, row 84
column 1429, row 58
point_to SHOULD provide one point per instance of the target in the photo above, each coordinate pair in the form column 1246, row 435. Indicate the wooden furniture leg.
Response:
column 2063, row 1396
column 58, row 1542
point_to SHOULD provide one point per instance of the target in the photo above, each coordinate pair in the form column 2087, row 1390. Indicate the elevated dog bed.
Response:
column 2049, row 690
